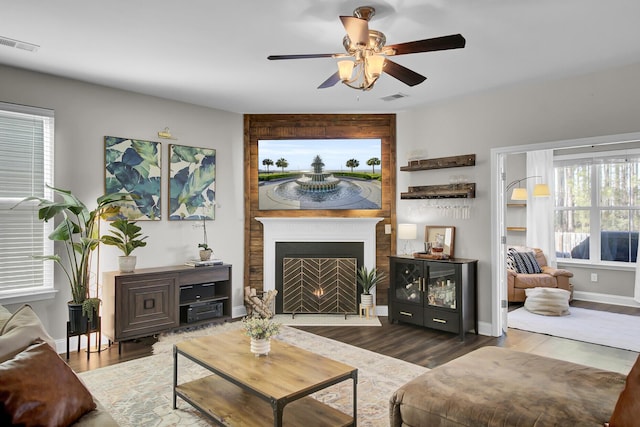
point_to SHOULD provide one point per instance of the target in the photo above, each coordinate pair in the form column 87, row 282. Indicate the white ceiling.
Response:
column 214, row 53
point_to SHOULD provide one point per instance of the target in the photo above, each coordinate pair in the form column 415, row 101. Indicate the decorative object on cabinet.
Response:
column 153, row 300
column 192, row 186
column 439, row 294
column 439, row 242
column 133, row 166
column 126, row 236
column 407, row 232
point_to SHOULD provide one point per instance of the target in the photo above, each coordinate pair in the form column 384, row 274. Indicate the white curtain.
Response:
column 540, row 226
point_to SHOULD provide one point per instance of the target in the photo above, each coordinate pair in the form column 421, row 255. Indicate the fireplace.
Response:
column 317, row 277
column 317, row 231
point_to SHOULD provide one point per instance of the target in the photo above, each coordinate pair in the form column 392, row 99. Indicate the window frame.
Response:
column 45, row 286
column 595, row 209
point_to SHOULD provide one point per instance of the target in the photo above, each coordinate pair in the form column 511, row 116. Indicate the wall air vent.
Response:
column 394, row 96
column 5, row 41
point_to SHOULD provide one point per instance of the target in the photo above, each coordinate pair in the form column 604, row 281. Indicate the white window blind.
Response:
column 26, row 165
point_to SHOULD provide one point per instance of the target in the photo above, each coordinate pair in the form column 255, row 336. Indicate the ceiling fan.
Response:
column 368, row 56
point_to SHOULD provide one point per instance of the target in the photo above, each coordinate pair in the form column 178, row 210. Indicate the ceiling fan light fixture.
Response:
column 374, row 64
column 345, row 68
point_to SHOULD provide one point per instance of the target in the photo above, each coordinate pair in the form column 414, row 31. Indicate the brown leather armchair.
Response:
column 549, row 278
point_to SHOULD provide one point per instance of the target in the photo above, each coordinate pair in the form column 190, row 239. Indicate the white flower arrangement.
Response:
column 259, row 328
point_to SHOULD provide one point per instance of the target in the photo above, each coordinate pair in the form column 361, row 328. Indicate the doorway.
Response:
column 499, row 243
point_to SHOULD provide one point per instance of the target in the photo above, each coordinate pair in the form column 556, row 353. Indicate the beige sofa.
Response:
column 517, row 283
column 495, row 386
column 37, row 387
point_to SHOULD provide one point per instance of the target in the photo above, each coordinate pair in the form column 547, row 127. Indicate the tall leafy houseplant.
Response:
column 79, row 232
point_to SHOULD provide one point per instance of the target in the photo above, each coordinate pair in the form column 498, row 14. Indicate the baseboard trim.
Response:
column 605, row 298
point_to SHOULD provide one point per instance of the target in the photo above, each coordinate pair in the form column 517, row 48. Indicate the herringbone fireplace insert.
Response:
column 317, row 277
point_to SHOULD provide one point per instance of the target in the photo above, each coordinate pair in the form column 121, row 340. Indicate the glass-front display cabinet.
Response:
column 439, row 294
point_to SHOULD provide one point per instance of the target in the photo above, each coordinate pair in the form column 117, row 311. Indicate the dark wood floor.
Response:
column 415, row 344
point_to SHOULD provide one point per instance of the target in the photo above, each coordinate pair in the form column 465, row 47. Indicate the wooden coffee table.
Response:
column 245, row 390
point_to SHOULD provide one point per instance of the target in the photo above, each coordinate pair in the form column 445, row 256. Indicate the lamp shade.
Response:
column 407, row 231
column 541, row 190
column 345, row 69
column 374, row 65
column 519, row 194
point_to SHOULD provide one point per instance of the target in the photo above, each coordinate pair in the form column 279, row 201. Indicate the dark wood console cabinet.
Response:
column 152, row 300
column 439, row 294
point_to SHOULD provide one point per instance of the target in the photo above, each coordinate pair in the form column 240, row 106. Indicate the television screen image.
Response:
column 319, row 174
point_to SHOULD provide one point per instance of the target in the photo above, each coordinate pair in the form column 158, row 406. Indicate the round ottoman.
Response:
column 547, row 301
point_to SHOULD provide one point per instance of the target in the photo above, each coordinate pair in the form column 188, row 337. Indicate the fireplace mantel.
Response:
column 315, row 229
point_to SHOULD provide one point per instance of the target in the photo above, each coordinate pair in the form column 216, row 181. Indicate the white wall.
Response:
column 84, row 114
column 603, row 103
column 597, row 104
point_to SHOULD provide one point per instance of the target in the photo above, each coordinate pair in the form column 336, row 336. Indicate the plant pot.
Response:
column 205, row 254
column 127, row 263
column 366, row 300
column 260, row 347
column 77, row 321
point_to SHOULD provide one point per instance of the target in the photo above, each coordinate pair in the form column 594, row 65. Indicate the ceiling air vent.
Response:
column 394, row 97
column 5, row 41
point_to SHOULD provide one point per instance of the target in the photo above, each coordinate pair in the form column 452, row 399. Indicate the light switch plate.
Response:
column 387, row 229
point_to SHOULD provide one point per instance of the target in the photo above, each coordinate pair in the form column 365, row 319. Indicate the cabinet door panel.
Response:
column 148, row 306
column 407, row 279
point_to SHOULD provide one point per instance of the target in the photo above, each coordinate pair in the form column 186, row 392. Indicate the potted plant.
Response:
column 260, row 330
column 78, row 231
column 368, row 280
column 205, row 250
column 126, row 236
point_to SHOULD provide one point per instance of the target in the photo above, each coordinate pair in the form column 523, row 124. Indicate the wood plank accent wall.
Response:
column 318, row 126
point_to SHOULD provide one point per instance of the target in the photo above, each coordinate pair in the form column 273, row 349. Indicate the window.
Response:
column 26, row 165
column 597, row 207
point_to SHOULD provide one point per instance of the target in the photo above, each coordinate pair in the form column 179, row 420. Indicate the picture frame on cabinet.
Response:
column 441, row 239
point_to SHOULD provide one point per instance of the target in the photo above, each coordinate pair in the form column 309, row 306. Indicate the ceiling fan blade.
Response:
column 303, row 56
column 405, row 75
column 357, row 29
column 331, row 81
column 454, row 41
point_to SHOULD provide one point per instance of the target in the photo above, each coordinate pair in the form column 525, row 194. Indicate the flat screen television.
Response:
column 319, row 174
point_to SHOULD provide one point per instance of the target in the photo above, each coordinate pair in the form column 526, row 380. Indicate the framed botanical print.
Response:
column 133, row 166
column 192, row 182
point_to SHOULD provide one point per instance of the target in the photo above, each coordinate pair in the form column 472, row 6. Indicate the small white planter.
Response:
column 260, row 347
column 366, row 300
column 127, row 263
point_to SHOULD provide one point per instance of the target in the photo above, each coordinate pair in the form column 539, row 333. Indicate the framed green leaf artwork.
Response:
column 192, row 183
column 134, row 166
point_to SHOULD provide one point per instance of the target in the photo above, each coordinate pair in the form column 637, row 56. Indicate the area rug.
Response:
column 139, row 392
column 326, row 320
column 592, row 326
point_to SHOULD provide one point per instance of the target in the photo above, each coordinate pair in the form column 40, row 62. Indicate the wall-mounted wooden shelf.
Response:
column 440, row 163
column 451, row 191
column 516, row 205
column 516, row 228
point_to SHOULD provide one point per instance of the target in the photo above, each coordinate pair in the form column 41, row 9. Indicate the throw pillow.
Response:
column 526, row 263
column 627, row 409
column 547, row 301
column 40, row 389
column 511, row 262
column 21, row 330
